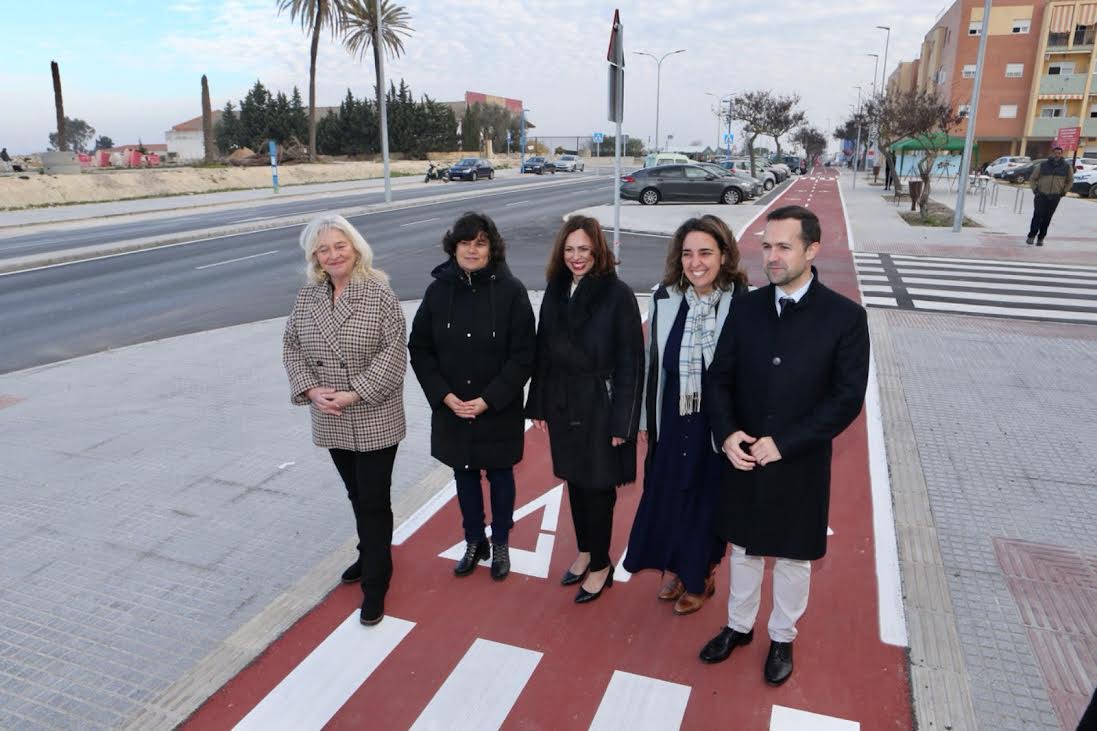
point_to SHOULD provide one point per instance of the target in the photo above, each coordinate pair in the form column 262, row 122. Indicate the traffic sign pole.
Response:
column 616, row 57
column 273, row 163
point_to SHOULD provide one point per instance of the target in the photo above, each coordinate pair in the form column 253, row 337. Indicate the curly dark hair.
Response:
column 468, row 227
column 603, row 257
column 730, row 274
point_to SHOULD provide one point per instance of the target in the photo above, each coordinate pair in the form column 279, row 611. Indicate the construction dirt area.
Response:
column 33, row 189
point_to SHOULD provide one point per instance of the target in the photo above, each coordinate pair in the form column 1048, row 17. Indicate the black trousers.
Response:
column 368, row 477
column 1043, row 208
column 592, row 516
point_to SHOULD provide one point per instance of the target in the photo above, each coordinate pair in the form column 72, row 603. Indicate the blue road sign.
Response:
column 598, row 137
column 729, row 137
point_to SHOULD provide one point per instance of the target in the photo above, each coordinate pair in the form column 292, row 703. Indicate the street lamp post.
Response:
column 887, row 42
column 857, row 145
column 522, row 139
column 875, row 71
column 658, row 79
column 718, row 103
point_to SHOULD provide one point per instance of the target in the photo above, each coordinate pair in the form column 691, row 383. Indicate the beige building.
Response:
column 1037, row 72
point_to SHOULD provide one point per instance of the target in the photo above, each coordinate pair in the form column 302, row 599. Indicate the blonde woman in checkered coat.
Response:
column 345, row 354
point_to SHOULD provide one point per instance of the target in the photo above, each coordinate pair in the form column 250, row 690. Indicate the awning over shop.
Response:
column 1060, row 19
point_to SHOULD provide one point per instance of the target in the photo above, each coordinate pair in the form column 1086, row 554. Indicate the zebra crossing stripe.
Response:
column 639, row 703
column 971, row 308
column 481, row 690
column 993, row 284
column 1002, row 299
column 318, row 687
column 997, row 262
column 783, row 718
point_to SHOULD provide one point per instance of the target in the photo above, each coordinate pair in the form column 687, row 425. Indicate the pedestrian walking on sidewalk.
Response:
column 1050, row 181
column 586, row 390
column 345, row 354
column 673, row 528
column 472, row 346
column 788, row 376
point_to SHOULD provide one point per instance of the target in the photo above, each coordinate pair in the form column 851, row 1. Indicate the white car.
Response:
column 570, row 163
column 1085, row 183
column 1002, row 164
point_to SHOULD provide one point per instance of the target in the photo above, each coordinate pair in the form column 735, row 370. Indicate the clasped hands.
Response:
column 330, row 401
column 465, row 409
column 762, row 451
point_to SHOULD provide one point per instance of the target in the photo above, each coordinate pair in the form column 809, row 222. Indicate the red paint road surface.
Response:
column 843, row 670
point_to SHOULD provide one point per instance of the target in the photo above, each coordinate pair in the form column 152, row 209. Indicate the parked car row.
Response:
column 539, row 165
column 686, row 183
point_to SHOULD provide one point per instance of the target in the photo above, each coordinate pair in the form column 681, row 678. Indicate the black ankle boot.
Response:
column 474, row 553
column 500, row 561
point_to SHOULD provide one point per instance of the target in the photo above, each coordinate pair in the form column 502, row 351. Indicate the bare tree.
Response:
column 753, row 109
column 783, row 117
column 920, row 116
column 59, row 105
column 207, row 122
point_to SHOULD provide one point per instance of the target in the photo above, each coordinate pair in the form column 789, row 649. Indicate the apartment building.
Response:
column 1038, row 73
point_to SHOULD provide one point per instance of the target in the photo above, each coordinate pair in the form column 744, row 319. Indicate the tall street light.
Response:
column 720, row 113
column 875, row 71
column 887, row 42
column 658, row 74
column 857, row 145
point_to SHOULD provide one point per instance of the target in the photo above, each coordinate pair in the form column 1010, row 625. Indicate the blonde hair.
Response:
column 310, row 238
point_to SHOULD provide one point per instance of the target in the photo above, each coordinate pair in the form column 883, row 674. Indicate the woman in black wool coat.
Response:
column 472, row 347
column 586, row 390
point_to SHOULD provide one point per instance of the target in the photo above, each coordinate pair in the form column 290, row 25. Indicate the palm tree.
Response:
column 314, row 16
column 59, row 106
column 360, row 28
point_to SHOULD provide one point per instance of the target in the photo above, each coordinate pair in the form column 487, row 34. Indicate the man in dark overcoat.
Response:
column 788, row 376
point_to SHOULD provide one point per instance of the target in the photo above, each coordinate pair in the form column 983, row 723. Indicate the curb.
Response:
column 38, row 261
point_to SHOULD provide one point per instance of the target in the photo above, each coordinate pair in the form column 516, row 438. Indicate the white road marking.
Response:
column 515, row 203
column 233, row 261
column 639, row 703
column 972, row 308
column 415, row 223
column 1022, row 299
column 997, row 262
column 620, row 573
column 880, row 301
column 481, row 690
column 284, row 465
column 317, row 688
column 992, row 284
column 790, row 719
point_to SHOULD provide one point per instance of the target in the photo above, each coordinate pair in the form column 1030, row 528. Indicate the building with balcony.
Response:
column 1038, row 72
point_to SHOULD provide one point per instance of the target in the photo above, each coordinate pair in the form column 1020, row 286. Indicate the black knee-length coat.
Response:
column 800, row 379
column 587, row 383
column 474, row 336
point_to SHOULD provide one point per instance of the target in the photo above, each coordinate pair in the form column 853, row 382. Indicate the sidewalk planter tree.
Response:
column 753, row 108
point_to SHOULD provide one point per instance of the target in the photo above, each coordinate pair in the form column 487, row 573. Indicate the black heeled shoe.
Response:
column 585, row 596
column 569, row 578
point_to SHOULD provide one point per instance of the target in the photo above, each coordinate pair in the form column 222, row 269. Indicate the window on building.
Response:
column 1061, row 68
column 1093, row 111
column 1007, row 111
column 969, row 71
column 1015, row 70
column 1052, row 112
column 1058, row 40
column 1022, row 25
column 974, row 27
column 1083, row 34
column 963, row 111
column 939, row 77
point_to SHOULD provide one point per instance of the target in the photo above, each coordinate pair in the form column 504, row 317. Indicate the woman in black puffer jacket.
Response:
column 472, row 346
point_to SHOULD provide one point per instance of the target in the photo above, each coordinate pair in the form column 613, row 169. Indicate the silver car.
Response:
column 753, row 186
column 570, row 164
column 743, row 166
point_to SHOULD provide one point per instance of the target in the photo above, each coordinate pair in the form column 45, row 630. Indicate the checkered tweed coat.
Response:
column 357, row 345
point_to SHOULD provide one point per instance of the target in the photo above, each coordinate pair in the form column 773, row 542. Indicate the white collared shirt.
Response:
column 779, row 293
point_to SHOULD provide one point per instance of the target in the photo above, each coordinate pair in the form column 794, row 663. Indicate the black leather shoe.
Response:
column 474, row 554
column 373, row 609
column 585, row 596
column 778, row 662
column 719, row 647
column 500, row 561
column 570, row 578
column 353, row 574
column 1039, row 242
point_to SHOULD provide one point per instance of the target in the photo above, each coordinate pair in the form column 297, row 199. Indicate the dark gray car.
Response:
column 681, row 184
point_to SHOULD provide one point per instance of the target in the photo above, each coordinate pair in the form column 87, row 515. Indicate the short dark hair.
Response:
column 810, row 230
column 603, row 259
column 468, row 227
column 730, row 273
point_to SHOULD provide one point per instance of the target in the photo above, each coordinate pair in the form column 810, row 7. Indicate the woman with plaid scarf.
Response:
column 672, row 530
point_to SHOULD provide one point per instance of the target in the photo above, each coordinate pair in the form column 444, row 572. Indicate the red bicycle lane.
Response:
column 473, row 653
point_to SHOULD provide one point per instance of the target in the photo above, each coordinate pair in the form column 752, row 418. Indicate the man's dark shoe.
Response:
column 474, row 554
column 353, row 574
column 719, row 647
column 1030, row 240
column 1039, row 242
column 500, row 561
column 778, row 662
column 373, row 609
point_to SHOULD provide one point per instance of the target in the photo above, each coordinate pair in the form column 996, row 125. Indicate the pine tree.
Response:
column 299, row 116
column 228, row 130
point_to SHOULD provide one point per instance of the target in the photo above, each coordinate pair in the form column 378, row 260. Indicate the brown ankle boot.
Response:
column 672, row 589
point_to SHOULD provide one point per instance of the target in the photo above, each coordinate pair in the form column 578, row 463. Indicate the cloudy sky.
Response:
column 132, row 68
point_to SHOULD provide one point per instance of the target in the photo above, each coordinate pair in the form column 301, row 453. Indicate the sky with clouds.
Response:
column 132, row 68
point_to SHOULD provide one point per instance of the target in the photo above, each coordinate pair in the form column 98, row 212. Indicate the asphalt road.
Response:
column 109, row 231
column 61, row 312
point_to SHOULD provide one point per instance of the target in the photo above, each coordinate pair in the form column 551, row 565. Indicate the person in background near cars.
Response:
column 788, row 376
column 5, row 160
column 345, row 356
column 586, row 390
column 1050, row 181
column 472, row 347
column 673, row 530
